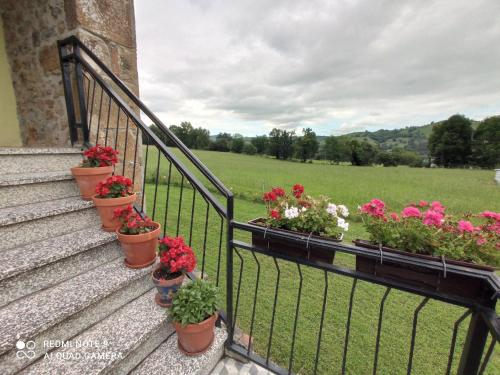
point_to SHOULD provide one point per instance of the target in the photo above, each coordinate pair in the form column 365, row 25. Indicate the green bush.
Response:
column 194, row 302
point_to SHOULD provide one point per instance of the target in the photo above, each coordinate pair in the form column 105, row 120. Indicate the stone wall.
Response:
column 32, row 28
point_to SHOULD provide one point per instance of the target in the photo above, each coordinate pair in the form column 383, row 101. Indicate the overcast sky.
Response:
column 336, row 66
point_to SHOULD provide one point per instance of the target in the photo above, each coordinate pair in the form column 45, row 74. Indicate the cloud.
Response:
column 337, row 66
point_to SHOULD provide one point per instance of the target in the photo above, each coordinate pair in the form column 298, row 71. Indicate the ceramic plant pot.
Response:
column 139, row 249
column 166, row 289
column 107, row 206
column 196, row 339
column 88, row 178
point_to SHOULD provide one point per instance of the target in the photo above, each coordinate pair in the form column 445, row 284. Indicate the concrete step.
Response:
column 125, row 338
column 24, row 188
column 24, row 160
column 167, row 359
column 67, row 309
column 37, row 221
column 39, row 265
column 229, row 366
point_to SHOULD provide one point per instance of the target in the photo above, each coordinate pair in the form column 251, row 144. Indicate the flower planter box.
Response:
column 290, row 247
column 430, row 279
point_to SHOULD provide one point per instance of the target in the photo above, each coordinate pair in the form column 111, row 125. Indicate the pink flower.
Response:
column 437, row 206
column 394, row 216
column 423, row 203
column 465, row 226
column 432, row 217
column 374, row 208
column 490, row 215
column 481, row 241
column 411, row 212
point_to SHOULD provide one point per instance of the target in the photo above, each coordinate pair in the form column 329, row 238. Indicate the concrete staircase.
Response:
column 68, row 305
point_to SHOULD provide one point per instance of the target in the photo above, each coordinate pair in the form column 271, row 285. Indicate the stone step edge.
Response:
column 39, row 150
column 18, row 179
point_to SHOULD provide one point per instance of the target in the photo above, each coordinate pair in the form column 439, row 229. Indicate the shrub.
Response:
column 132, row 222
column 114, row 187
column 194, row 302
column 302, row 213
column 249, row 149
column 99, row 156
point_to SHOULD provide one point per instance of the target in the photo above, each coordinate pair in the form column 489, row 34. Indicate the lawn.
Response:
column 248, row 177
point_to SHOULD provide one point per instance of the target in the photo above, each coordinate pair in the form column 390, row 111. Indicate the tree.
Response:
column 237, row 144
column 486, row 143
column 362, row 153
column 450, row 142
column 249, row 149
column 336, row 149
column 200, row 138
column 222, row 142
column 159, row 133
column 307, row 145
column 261, row 143
column 281, row 143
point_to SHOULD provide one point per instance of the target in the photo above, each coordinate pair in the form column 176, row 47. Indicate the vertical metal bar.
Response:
column 454, row 340
column 271, row 329
column 348, row 326
column 238, row 289
column 299, row 295
column 414, row 333
column 117, row 124
column 167, row 198
column 229, row 269
column 487, row 356
column 379, row 329
column 205, row 242
column 68, row 93
column 81, row 97
column 145, row 172
column 107, row 122
column 254, row 302
column 99, row 116
column 220, row 249
column 91, row 107
column 125, row 147
column 192, row 217
column 135, row 152
column 156, row 182
column 320, row 333
column 180, row 206
column 474, row 345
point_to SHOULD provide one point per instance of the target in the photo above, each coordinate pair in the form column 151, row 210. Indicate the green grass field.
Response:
column 247, row 177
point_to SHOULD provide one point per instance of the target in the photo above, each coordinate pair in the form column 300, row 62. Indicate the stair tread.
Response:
column 118, row 334
column 39, row 150
column 167, row 359
column 33, row 177
column 20, row 259
column 26, row 317
column 18, row 214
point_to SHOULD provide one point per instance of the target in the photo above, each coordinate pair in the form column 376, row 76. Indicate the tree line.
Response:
column 452, row 143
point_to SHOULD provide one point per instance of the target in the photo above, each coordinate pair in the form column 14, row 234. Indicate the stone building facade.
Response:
column 32, row 28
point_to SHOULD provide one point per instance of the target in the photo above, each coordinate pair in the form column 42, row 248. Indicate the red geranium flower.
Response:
column 297, row 190
column 176, row 256
column 99, row 156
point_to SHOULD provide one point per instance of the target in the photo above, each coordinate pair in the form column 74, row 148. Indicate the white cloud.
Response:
column 338, row 66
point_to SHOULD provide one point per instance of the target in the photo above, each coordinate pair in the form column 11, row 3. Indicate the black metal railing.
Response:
column 300, row 316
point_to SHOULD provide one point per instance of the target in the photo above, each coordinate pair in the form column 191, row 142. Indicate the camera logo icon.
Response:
column 25, row 349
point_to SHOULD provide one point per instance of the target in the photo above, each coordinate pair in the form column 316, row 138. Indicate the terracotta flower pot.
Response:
column 139, row 249
column 88, row 178
column 106, row 207
column 195, row 339
column 166, row 289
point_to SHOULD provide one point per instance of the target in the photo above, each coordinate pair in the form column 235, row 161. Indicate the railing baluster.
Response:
column 91, row 107
column 107, row 122
column 135, row 152
column 271, row 329
column 118, row 110
column 487, row 356
column 348, row 326
column 167, row 200
column 414, row 333
column 205, row 242
column 144, row 175
column 157, row 182
column 180, row 206
column 379, row 329
column 125, row 147
column 254, row 303
column 454, row 340
column 235, row 315
column 99, row 116
column 320, row 333
column 299, row 295
column 192, row 217
column 220, row 249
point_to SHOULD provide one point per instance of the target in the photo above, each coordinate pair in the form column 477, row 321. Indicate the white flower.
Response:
column 343, row 210
column 291, row 213
column 341, row 223
column 331, row 209
column 304, row 209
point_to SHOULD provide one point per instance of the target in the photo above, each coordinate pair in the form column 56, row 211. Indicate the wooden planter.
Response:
column 290, row 247
column 459, row 285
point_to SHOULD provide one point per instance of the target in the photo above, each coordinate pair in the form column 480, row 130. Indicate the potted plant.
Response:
column 194, row 313
column 302, row 214
column 96, row 166
column 112, row 193
column 176, row 258
column 425, row 231
column 138, row 237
